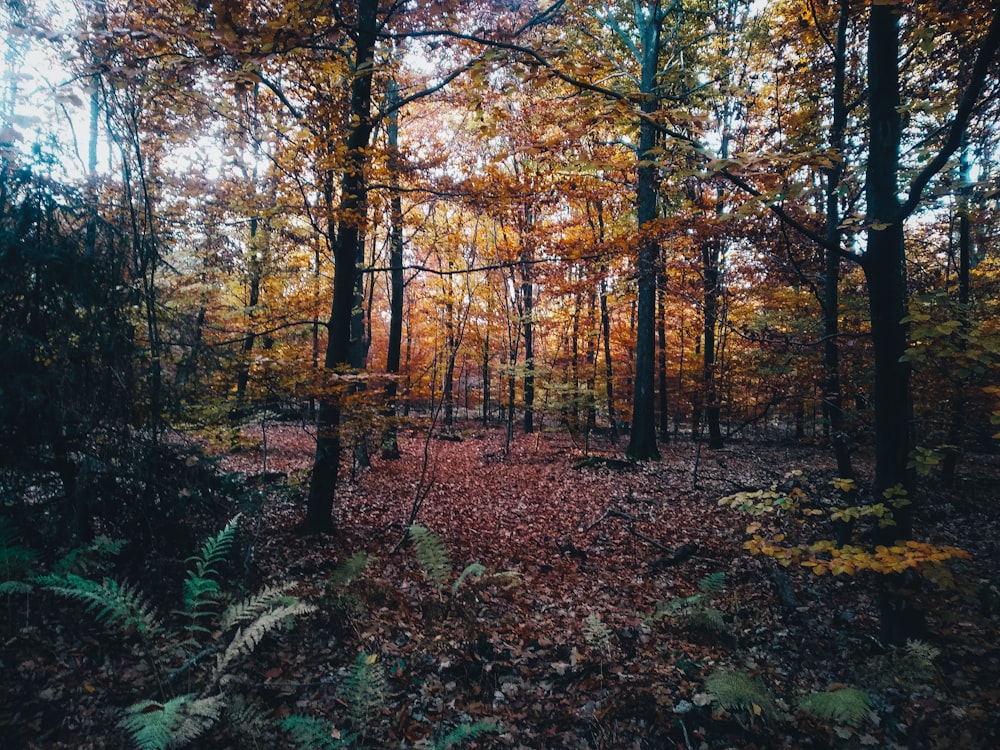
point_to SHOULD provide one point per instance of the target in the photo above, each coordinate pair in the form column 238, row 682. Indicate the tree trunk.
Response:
column 833, row 410
column 661, row 331
column 527, row 300
column 710, row 274
column 390, row 442
column 642, row 437
column 323, row 485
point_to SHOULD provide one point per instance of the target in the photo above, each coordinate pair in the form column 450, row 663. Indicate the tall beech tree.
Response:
column 326, row 464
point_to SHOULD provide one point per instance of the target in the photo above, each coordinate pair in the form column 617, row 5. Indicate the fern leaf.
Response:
column 846, row 705
column 200, row 586
column 84, row 560
column 712, row 583
column 255, row 605
column 431, row 554
column 174, row 723
column 312, row 733
column 16, row 559
column 465, row 732
column 112, row 603
column 735, row 690
column 348, row 571
column 363, row 688
column 246, row 639
column 597, row 634
column 9, row 588
column 249, row 718
column 472, row 569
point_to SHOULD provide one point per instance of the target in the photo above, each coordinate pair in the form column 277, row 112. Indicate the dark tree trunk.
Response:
column 390, row 442
column 642, row 437
column 661, row 332
column 833, row 410
column 323, row 485
column 956, row 425
column 527, row 301
column 710, row 271
column 486, row 379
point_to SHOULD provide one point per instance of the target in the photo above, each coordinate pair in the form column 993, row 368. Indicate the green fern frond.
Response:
column 910, row 666
column 174, row 723
column 706, row 618
column 311, row 733
column 431, row 554
column 16, row 560
column 255, row 605
column 9, row 588
column 84, row 560
column 735, row 690
column 846, row 705
column 472, row 569
column 465, row 732
column 249, row 718
column 246, row 639
column 348, row 571
column 597, row 634
column 363, row 689
column 201, row 587
column 713, row 583
column 112, row 603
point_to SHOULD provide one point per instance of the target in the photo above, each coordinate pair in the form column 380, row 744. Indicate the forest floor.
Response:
column 555, row 644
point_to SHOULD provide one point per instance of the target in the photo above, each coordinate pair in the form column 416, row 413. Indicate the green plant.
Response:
column 739, row 693
column 176, row 722
column 348, row 571
column 313, row 733
column 597, row 635
column 431, row 554
column 363, row 689
column 465, row 732
column 845, row 705
column 695, row 611
column 906, row 667
column 16, row 559
column 201, row 586
column 434, row 560
column 234, row 633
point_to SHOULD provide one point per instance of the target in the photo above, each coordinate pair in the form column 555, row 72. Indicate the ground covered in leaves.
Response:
column 598, row 619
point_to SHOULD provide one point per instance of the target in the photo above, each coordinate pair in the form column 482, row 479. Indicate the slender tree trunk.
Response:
column 609, row 375
column 957, row 423
column 661, row 331
column 833, row 410
column 527, row 301
column 390, row 442
column 710, row 273
column 486, row 379
column 322, row 488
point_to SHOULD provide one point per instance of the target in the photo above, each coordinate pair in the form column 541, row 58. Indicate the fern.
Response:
column 694, row 611
column 84, row 560
column 112, row 603
column 597, row 635
column 363, row 689
column 713, row 583
column 472, row 569
column 16, row 560
column 736, row 691
column 311, row 733
column 250, row 719
column 246, row 639
column 465, row 732
column 431, row 554
column 348, row 571
column 255, row 605
column 201, row 588
column 911, row 666
column 174, row 723
column 846, row 705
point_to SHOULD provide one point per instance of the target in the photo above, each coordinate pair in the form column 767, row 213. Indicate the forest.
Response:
column 500, row 374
